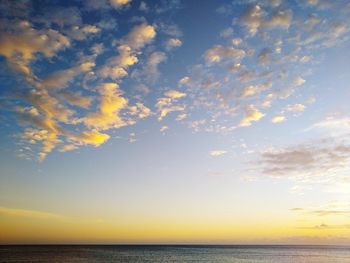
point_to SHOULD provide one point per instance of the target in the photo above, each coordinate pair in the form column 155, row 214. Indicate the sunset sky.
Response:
column 212, row 121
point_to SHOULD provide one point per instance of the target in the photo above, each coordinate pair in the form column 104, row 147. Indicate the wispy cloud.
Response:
column 24, row 213
column 325, row 160
column 217, row 152
column 169, row 103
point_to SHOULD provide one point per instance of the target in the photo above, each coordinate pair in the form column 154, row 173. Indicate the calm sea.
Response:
column 155, row 253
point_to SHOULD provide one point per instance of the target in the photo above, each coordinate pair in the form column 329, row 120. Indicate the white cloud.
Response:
column 164, row 128
column 173, row 43
column 333, row 123
column 183, row 81
column 181, row 117
column 236, row 41
column 217, row 152
column 298, row 81
column 255, row 18
column 219, row 53
column 278, row 119
column 295, row 107
column 254, row 89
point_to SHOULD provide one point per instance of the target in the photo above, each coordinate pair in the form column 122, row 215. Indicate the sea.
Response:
column 175, row 253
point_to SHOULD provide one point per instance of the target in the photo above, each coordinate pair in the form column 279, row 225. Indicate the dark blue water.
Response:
column 109, row 253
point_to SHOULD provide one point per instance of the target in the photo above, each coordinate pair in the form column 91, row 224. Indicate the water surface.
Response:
column 168, row 253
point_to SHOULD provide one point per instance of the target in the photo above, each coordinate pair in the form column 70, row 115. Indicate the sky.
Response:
column 211, row 122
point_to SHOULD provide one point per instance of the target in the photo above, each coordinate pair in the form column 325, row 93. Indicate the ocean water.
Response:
column 167, row 253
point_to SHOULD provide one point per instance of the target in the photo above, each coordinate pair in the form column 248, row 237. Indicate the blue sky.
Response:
column 229, row 113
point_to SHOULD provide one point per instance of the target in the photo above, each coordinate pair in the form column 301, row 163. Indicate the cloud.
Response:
column 57, row 115
column 60, row 78
column 48, row 139
column 254, row 89
column 217, row 152
column 181, row 117
column 168, row 6
column 174, row 94
column 45, row 114
column 48, row 106
column 331, row 209
column 295, row 107
column 140, row 36
column 77, row 99
column 325, row 226
column 119, row 3
column 183, row 81
column 151, row 71
column 21, row 42
column 173, row 43
column 281, row 19
column 298, row 81
column 68, row 148
column 117, row 67
column 278, row 119
column 166, row 104
column 236, row 41
column 254, row 18
column 311, row 21
column 81, row 32
column 245, row 75
column 143, row 7
column 325, row 159
column 156, row 58
column 164, row 128
column 312, row 2
column 329, row 35
column 110, row 106
column 61, row 16
column 107, row 24
column 24, row 213
column 332, row 123
column 252, row 114
column 330, row 212
column 140, row 110
column 226, row 33
column 92, row 137
column 68, row 107
column 219, row 53
column 264, row 56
